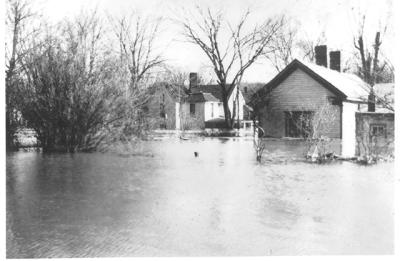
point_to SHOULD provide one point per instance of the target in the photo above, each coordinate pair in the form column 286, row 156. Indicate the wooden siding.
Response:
column 384, row 145
column 298, row 92
column 192, row 121
column 155, row 119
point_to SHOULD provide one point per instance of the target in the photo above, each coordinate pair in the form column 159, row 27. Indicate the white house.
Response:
column 203, row 107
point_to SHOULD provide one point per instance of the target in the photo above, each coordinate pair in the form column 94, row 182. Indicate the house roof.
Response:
column 201, row 97
column 176, row 92
column 249, row 89
column 213, row 89
column 344, row 85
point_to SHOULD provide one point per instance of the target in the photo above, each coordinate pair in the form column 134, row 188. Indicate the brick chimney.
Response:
column 371, row 102
column 193, row 80
column 334, row 60
column 321, row 55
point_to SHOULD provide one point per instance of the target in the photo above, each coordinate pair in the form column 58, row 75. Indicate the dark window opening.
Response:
column 298, row 124
column 377, row 130
column 192, row 108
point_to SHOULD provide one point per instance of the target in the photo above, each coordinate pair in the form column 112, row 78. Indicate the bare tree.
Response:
column 285, row 43
column 18, row 15
column 306, row 47
column 372, row 66
column 232, row 56
column 71, row 94
column 290, row 42
column 136, row 37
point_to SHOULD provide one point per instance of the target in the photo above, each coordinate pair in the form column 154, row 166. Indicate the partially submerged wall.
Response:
column 374, row 133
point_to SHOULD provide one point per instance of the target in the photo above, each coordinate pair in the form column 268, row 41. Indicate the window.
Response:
column 192, row 108
column 212, row 110
column 298, row 123
column 377, row 130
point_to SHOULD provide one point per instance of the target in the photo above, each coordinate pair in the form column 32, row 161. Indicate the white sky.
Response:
column 337, row 18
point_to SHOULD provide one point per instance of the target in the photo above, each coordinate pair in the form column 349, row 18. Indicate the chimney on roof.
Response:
column 371, row 102
column 321, row 55
column 334, row 60
column 193, row 80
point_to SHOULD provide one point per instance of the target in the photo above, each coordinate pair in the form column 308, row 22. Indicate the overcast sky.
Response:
column 338, row 19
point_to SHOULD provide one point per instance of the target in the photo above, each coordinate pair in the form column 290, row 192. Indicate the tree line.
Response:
column 80, row 91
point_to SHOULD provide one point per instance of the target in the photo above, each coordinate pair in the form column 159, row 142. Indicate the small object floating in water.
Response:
column 196, row 154
column 183, row 138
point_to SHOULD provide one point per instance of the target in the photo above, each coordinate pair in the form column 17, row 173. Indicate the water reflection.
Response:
column 220, row 203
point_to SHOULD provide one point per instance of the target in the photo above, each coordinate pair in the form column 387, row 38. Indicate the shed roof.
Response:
column 249, row 89
column 177, row 92
column 213, row 89
column 201, row 97
column 344, row 85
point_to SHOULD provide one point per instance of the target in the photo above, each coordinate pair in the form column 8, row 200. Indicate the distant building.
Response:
column 162, row 107
column 197, row 107
column 301, row 89
column 203, row 106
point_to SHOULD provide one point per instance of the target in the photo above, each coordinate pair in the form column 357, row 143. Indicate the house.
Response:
column 302, row 91
column 197, row 107
column 162, row 107
column 203, row 106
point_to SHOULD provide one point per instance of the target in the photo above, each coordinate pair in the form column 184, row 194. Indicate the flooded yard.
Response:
column 170, row 203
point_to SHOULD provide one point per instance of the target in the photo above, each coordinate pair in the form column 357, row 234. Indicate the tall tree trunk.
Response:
column 225, row 104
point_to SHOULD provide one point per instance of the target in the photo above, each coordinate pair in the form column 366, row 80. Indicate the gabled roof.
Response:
column 249, row 89
column 176, row 92
column 213, row 89
column 201, row 97
column 344, row 85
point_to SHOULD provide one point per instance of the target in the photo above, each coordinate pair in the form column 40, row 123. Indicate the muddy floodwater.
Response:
column 167, row 202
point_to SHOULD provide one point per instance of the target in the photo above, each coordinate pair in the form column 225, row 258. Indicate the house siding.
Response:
column 242, row 102
column 349, row 129
column 203, row 111
column 208, row 107
column 382, row 145
column 192, row 121
column 298, row 92
column 155, row 120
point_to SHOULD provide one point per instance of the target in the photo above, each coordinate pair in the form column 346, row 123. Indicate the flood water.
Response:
column 170, row 203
